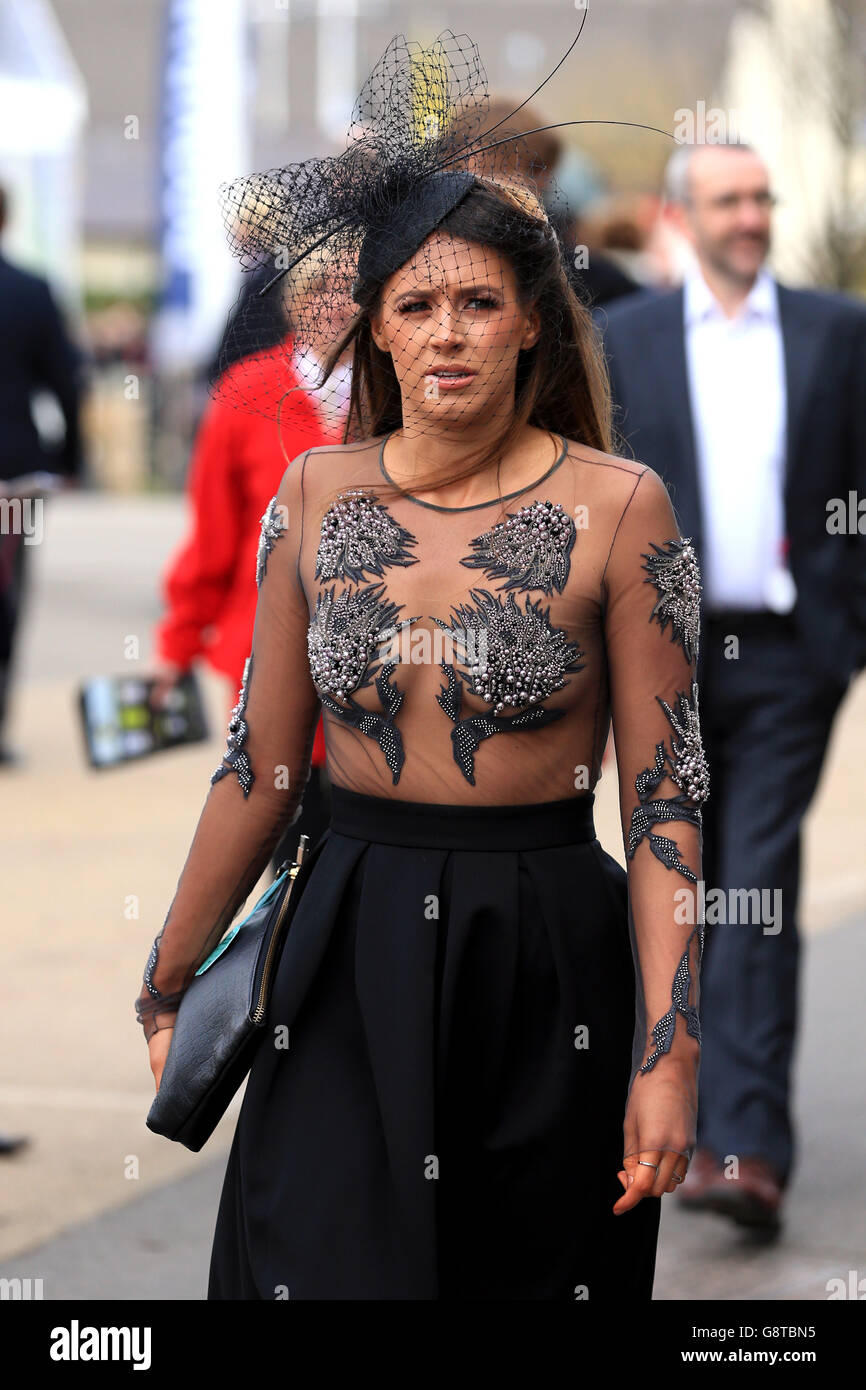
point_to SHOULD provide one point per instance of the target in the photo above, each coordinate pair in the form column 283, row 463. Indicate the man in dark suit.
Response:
column 749, row 399
column 35, row 353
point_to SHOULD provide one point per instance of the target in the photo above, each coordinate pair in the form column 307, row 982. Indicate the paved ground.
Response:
column 99, row 1207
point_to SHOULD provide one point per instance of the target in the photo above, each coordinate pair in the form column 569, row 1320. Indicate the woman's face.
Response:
column 453, row 324
column 324, row 310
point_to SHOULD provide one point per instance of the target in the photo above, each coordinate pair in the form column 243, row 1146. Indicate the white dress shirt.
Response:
column 736, row 369
column 332, row 399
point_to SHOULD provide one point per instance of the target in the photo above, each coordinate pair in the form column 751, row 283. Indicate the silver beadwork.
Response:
column 360, row 537
column 468, row 734
column 511, row 658
column 664, row 1030
column 152, row 961
column 676, row 575
column 272, row 527
column 651, row 813
column 344, row 634
column 375, row 725
column 688, row 766
column 236, row 758
column 530, row 550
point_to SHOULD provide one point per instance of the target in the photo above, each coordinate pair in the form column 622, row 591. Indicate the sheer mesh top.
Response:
column 473, row 655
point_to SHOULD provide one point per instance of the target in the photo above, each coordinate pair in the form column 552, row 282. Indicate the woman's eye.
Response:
column 482, row 301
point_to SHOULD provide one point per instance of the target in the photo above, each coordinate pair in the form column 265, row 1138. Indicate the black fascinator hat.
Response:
column 388, row 242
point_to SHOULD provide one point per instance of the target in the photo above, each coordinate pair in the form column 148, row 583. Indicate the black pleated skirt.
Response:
column 435, row 1110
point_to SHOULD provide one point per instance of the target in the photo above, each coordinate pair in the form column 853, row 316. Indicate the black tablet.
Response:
column 120, row 723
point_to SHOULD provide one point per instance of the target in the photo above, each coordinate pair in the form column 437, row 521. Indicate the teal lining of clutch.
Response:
column 229, row 937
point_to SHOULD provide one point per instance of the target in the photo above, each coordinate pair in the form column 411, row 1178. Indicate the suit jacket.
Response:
column 824, row 337
column 35, row 353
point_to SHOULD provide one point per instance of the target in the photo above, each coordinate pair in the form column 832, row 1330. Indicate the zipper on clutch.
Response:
column 259, row 1011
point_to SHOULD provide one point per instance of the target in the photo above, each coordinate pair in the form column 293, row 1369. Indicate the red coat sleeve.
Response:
column 199, row 575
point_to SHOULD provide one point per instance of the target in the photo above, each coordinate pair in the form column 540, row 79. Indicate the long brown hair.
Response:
column 561, row 383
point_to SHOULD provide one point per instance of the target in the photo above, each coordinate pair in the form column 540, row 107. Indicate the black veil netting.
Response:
column 320, row 237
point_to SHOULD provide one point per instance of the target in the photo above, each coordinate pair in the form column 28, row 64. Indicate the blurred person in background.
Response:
column 209, row 585
column 36, row 354
column 265, row 311
column 624, row 228
column 747, row 396
column 600, row 280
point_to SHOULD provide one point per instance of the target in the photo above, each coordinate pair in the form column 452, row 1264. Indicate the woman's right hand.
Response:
column 158, row 1046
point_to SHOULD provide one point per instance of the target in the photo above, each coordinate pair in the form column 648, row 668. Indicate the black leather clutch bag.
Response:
column 222, row 1015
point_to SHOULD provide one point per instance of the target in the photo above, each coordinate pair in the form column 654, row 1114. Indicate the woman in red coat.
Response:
column 209, row 584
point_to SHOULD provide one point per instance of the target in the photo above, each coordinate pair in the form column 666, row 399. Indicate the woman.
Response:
column 475, row 1005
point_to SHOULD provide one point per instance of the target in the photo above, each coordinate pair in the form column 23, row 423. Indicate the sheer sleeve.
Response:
column 259, row 783
column 652, row 624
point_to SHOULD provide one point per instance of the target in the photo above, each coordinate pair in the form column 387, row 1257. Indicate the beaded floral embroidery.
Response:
column 675, row 573
column 272, row 527
column 236, row 759
column 511, row 658
column 345, row 631
column 344, row 635
column 529, row 550
column 664, row 1030
column 686, row 765
column 359, row 537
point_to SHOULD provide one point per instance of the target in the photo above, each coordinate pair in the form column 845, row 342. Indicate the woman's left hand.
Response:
column 158, row 1047
column 659, row 1132
column 649, row 1174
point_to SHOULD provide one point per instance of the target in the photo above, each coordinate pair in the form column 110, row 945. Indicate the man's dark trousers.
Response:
column 766, row 717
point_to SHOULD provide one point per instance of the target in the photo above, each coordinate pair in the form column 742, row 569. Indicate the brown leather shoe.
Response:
column 704, row 1170
column 754, row 1198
